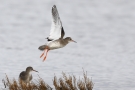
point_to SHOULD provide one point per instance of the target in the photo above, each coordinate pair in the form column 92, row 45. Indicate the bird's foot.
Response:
column 45, row 52
column 42, row 55
column 44, row 59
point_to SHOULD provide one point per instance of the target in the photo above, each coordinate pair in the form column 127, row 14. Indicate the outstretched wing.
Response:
column 57, row 30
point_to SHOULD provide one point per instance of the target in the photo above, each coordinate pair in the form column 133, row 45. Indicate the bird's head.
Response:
column 29, row 69
column 69, row 39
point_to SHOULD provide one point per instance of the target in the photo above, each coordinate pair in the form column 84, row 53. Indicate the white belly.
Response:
column 55, row 45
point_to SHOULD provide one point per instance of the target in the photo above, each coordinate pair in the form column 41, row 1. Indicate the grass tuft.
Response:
column 69, row 82
column 66, row 82
column 19, row 85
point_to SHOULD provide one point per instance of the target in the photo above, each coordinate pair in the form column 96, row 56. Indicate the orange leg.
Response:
column 46, row 55
column 43, row 53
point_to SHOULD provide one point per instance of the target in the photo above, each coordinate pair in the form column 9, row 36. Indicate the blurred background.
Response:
column 104, row 31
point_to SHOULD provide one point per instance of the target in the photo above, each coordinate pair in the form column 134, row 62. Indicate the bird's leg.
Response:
column 43, row 53
column 46, row 55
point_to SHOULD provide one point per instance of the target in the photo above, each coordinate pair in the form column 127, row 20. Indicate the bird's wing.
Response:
column 62, row 32
column 23, row 75
column 56, row 28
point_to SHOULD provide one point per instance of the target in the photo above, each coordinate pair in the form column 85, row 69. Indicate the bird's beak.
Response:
column 73, row 41
column 35, row 70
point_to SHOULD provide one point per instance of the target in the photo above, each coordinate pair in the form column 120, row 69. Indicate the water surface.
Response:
column 104, row 31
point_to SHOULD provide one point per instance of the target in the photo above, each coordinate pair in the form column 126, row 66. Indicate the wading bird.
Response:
column 26, row 76
column 55, row 39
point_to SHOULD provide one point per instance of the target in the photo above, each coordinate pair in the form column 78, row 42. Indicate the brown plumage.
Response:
column 26, row 76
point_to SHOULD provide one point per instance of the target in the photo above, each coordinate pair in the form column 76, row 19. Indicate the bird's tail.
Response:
column 42, row 47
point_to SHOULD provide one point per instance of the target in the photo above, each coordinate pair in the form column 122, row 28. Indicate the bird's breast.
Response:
column 55, row 45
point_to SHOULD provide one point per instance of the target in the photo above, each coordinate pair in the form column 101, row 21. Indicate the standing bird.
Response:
column 55, row 39
column 26, row 76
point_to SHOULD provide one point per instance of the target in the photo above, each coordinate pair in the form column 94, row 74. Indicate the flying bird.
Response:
column 56, row 38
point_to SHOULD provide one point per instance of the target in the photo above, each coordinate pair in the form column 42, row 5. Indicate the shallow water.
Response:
column 104, row 31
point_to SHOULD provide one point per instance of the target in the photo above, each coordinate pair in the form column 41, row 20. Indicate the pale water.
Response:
column 104, row 31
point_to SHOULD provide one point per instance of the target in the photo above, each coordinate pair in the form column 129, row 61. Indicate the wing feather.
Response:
column 56, row 28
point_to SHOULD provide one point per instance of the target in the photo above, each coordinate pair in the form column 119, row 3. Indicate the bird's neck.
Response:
column 65, row 41
column 28, row 72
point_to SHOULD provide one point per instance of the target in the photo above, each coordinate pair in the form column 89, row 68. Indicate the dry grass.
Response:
column 19, row 85
column 66, row 82
column 71, row 83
